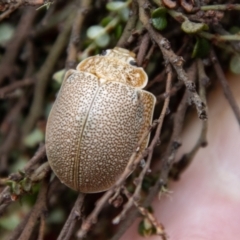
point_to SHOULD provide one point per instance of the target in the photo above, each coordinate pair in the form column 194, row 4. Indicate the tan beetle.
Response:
column 100, row 114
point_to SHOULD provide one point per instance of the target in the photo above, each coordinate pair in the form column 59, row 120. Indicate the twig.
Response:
column 133, row 214
column 7, row 146
column 186, row 159
column 219, row 38
column 175, row 61
column 155, row 140
column 221, row 7
column 36, row 159
column 44, row 74
column 159, row 78
column 148, row 56
column 131, row 24
column 17, row 231
column 42, row 227
column 7, row 197
column 226, row 89
column 73, row 217
column 15, row 85
column 32, row 164
column 16, row 42
column 220, row 30
column 159, row 227
column 75, row 34
column 52, row 21
column 39, row 208
column 11, row 9
column 143, row 49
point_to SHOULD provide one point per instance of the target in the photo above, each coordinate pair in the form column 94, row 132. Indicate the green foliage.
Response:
column 192, row 27
column 145, row 228
column 6, row 32
column 201, row 48
column 235, row 64
column 158, row 19
column 59, row 75
column 34, row 138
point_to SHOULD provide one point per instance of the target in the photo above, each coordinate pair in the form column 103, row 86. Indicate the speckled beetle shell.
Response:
column 100, row 114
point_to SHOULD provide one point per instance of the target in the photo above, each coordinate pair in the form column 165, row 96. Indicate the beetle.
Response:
column 99, row 116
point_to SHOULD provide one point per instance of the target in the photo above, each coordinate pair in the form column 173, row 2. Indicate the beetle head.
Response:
column 116, row 64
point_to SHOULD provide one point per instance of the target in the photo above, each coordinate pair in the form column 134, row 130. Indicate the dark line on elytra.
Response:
column 76, row 163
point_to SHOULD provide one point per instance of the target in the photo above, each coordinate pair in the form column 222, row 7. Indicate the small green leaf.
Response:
column 105, row 21
column 201, row 48
column 159, row 12
column 145, row 228
column 159, row 20
column 59, row 75
column 94, row 31
column 118, row 31
column 159, row 23
column 103, row 40
column 235, row 64
column 34, row 138
column 26, row 184
column 6, row 32
column 115, row 6
column 10, row 222
column 56, row 216
column 124, row 14
column 192, row 27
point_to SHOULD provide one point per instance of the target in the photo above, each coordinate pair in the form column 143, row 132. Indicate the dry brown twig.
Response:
column 136, row 195
column 226, row 89
column 15, row 44
column 130, row 26
column 187, row 158
column 143, row 49
column 16, row 85
column 84, row 7
column 73, row 217
column 172, row 58
column 38, row 210
column 33, row 170
column 144, row 212
column 43, row 75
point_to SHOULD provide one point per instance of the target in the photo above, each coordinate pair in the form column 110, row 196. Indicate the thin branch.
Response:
column 16, row 85
column 16, row 42
column 74, row 216
column 221, row 7
column 42, row 227
column 44, row 75
column 226, row 89
column 11, row 9
column 9, row 195
column 75, row 34
column 159, row 227
column 155, row 140
column 219, row 38
column 175, row 61
column 143, row 49
column 17, row 231
column 39, row 208
column 186, row 159
column 131, row 24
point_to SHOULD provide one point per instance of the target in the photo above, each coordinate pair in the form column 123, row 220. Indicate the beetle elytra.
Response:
column 100, row 114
